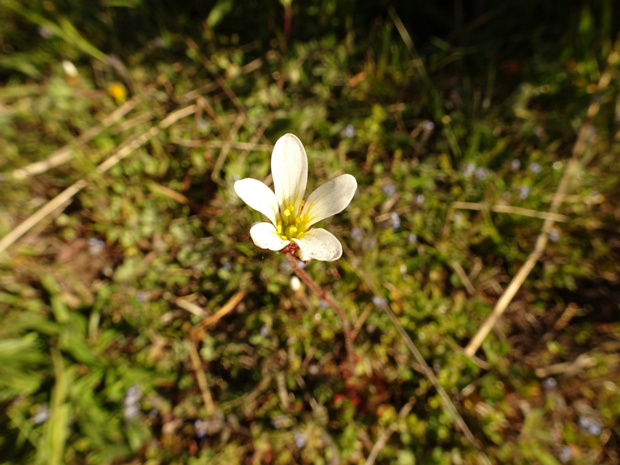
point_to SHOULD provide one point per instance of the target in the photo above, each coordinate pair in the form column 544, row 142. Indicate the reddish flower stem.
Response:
column 346, row 327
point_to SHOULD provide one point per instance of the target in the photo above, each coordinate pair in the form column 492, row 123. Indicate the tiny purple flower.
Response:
column 413, row 238
column 395, row 220
column 357, row 234
column 133, row 395
column 143, row 296
column 549, row 383
column 41, row 414
column 596, row 429
column 300, row 440
column 565, row 454
column 481, row 173
column 131, row 412
column 45, row 32
column 95, row 246
column 349, row 131
column 554, row 235
column 201, row 428
column 470, row 168
column 379, row 301
column 419, row 199
column 535, row 167
column 389, row 190
column 524, row 192
column 515, row 165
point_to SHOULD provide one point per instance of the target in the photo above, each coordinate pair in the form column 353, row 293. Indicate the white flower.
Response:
column 291, row 218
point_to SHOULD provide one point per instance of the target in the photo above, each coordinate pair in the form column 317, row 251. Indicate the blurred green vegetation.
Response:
column 102, row 349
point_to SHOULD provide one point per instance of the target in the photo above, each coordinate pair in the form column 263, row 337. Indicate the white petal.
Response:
column 320, row 245
column 265, row 236
column 329, row 199
column 289, row 168
column 258, row 196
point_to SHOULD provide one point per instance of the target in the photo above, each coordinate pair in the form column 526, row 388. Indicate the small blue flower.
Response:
column 95, row 246
column 349, row 131
column 143, row 296
column 549, row 383
column 45, row 32
column 300, row 440
column 419, row 199
column 379, row 301
column 565, row 454
column 201, row 428
column 428, row 126
column 281, row 421
column 554, row 235
column 481, row 173
column 131, row 412
column 264, row 331
column 470, row 168
column 590, row 424
column 412, row 238
column 524, row 192
column 395, row 220
column 133, row 395
column 357, row 234
column 389, row 190
column 535, row 167
column 515, row 164
column 595, row 429
column 41, row 414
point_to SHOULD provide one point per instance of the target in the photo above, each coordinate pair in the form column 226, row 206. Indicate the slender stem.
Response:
column 346, row 327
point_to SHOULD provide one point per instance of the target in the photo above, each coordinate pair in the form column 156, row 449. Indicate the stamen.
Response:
column 279, row 227
column 292, row 230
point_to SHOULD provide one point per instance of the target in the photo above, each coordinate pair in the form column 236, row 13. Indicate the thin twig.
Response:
column 541, row 241
column 511, row 209
column 464, row 278
column 387, row 432
column 65, row 153
column 127, row 147
column 40, row 214
column 232, row 134
column 201, row 378
column 532, row 259
column 185, row 304
column 360, row 321
column 221, row 144
column 221, row 313
column 346, row 327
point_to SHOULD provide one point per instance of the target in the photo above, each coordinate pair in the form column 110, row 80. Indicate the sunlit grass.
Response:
column 140, row 323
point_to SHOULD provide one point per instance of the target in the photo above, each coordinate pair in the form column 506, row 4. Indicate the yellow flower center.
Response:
column 290, row 223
